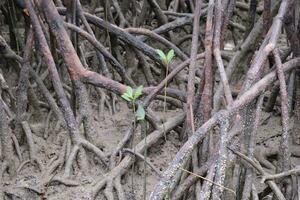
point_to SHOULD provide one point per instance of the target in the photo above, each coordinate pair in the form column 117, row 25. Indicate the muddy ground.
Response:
column 111, row 128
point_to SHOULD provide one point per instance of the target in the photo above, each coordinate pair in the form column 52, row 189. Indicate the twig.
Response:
column 201, row 177
column 158, row 173
column 293, row 171
column 258, row 167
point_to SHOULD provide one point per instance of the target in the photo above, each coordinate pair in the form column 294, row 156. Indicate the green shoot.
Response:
column 162, row 55
column 166, row 59
column 170, row 55
column 132, row 96
column 128, row 94
column 138, row 92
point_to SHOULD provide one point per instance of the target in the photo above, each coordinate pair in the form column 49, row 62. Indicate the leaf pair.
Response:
column 166, row 58
column 129, row 96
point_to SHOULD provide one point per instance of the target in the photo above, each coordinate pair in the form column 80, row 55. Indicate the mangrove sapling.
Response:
column 132, row 97
column 166, row 59
column 139, row 114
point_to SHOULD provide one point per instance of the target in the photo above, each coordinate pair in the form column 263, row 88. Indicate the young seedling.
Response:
column 166, row 59
column 132, row 96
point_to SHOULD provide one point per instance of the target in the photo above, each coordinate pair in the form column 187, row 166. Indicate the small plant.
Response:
column 132, row 96
column 166, row 58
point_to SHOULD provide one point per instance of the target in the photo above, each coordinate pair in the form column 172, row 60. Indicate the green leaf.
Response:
column 140, row 113
column 138, row 92
column 128, row 94
column 161, row 55
column 126, row 97
column 170, row 55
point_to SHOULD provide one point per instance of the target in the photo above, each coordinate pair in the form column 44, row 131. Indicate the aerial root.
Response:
column 32, row 161
column 103, row 101
column 111, row 183
column 4, row 167
column 70, row 160
column 17, row 147
column 32, row 149
column 119, row 188
column 74, row 151
column 47, row 125
column 108, row 192
column 262, row 154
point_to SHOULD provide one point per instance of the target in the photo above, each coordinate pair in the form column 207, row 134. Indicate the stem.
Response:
column 134, row 124
column 165, row 100
column 169, row 193
column 145, row 162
